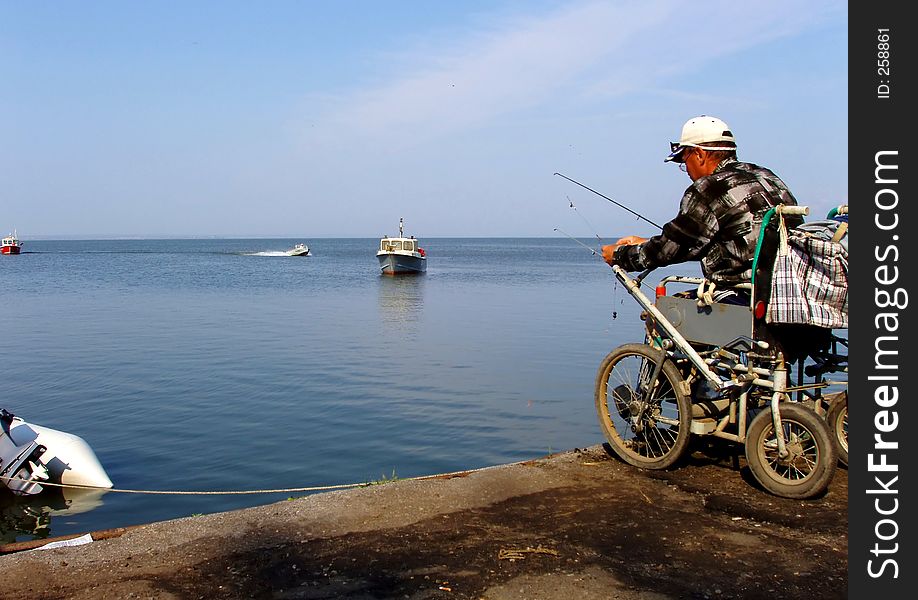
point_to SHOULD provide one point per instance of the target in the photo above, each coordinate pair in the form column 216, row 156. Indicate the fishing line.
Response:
column 619, row 204
column 594, row 253
column 593, row 229
column 615, row 299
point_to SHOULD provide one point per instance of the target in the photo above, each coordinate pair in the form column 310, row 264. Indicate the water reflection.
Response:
column 30, row 517
column 401, row 299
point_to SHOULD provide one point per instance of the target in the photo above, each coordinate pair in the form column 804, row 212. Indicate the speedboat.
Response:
column 299, row 250
column 401, row 255
column 32, row 455
column 10, row 244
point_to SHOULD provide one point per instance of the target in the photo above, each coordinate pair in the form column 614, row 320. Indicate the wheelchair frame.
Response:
column 702, row 345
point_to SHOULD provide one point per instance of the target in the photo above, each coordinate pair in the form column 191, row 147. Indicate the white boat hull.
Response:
column 66, row 459
column 399, row 255
column 394, row 264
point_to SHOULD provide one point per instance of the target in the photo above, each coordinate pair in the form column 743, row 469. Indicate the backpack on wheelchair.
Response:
column 713, row 369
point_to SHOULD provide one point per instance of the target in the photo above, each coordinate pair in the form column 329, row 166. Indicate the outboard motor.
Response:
column 20, row 468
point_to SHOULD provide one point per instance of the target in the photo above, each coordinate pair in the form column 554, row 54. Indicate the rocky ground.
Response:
column 572, row 526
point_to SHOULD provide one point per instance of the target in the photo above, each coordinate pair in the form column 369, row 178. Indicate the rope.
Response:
column 317, row 488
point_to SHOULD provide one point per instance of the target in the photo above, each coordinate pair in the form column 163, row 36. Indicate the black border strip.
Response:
column 882, row 111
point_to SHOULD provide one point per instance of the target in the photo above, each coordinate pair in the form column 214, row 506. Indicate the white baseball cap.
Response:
column 698, row 131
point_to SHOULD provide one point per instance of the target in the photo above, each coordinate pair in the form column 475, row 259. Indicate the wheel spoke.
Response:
column 646, row 422
column 801, row 472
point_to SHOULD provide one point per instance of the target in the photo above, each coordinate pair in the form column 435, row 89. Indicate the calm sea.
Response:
column 225, row 365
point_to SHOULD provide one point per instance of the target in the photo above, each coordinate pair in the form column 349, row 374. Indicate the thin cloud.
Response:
column 588, row 51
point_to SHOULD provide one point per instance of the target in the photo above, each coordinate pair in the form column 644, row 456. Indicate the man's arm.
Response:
column 684, row 238
column 608, row 251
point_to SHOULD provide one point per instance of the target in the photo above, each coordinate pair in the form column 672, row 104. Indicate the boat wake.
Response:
column 266, row 253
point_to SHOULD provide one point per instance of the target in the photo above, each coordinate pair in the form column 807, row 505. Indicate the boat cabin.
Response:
column 398, row 245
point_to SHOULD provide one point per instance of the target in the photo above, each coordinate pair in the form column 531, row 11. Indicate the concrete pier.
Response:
column 578, row 525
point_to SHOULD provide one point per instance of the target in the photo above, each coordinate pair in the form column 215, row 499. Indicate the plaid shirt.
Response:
column 718, row 223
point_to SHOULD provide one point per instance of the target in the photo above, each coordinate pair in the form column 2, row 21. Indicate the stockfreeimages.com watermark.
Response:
column 889, row 299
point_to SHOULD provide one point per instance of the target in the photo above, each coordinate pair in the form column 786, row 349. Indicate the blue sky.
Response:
column 333, row 119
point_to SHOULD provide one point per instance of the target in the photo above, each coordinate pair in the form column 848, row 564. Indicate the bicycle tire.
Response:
column 651, row 433
column 810, row 465
column 837, row 419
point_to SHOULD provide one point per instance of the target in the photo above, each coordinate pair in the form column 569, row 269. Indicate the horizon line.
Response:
column 130, row 237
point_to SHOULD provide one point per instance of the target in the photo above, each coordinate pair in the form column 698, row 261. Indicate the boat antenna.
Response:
column 401, row 227
column 619, row 204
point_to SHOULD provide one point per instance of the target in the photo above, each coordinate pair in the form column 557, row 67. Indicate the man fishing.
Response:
column 720, row 213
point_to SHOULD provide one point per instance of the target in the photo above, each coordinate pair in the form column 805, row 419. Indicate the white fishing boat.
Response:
column 299, row 250
column 401, row 255
column 32, row 455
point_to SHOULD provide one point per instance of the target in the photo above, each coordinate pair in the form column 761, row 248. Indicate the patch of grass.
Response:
column 383, row 479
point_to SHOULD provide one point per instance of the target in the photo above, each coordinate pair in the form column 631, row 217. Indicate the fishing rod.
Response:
column 620, row 205
column 592, row 251
column 596, row 254
column 640, row 277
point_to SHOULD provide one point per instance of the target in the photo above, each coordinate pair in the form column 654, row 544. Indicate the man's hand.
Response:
column 630, row 240
column 608, row 251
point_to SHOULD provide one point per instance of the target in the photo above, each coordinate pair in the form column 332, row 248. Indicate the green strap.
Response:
column 758, row 245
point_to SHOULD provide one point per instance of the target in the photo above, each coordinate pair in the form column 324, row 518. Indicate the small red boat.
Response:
column 10, row 244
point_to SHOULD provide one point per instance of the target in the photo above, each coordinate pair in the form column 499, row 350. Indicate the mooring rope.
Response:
column 316, row 488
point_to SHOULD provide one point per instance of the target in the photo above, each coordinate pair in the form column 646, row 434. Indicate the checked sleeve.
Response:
column 684, row 238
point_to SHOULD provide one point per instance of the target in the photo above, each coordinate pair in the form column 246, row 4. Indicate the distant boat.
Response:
column 31, row 455
column 10, row 244
column 299, row 250
column 401, row 255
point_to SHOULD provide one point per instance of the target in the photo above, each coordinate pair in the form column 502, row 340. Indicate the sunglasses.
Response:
column 686, row 152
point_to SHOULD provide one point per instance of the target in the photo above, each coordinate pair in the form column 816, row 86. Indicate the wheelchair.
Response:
column 714, row 369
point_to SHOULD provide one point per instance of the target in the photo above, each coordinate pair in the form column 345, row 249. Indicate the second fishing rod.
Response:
column 640, row 278
column 619, row 204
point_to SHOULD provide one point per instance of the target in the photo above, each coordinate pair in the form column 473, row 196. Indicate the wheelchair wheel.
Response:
column 648, row 424
column 837, row 418
column 810, row 464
